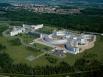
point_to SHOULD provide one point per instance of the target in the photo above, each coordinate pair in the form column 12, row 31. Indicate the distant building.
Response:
column 74, row 42
column 16, row 31
column 24, row 29
column 60, row 33
column 58, row 52
column 102, row 34
column 35, row 27
column 72, row 45
column 38, row 26
column 71, row 42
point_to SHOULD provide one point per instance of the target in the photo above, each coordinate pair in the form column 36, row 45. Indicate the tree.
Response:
column 2, row 47
column 15, row 41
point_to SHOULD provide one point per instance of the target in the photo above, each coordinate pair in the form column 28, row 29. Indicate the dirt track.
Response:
column 88, row 45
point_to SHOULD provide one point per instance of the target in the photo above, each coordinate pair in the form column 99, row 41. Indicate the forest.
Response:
column 89, row 19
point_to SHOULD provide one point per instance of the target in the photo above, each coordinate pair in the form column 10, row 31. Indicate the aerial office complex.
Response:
column 59, row 40
column 68, row 41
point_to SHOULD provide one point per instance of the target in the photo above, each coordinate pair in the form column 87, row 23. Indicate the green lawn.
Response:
column 42, row 47
column 98, row 49
column 26, row 38
column 19, row 53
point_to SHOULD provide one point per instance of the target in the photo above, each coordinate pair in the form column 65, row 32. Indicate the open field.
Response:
column 27, row 38
column 19, row 53
column 42, row 47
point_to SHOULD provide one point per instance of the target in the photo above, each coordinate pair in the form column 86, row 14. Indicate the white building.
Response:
column 16, row 31
column 38, row 26
column 59, row 33
column 102, row 34
column 51, row 40
column 25, row 29
column 73, row 50
column 72, row 45
column 83, row 41
column 35, row 27
column 72, row 42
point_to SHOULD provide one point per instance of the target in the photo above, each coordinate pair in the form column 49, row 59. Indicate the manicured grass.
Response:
column 26, row 38
column 20, row 53
column 42, row 47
